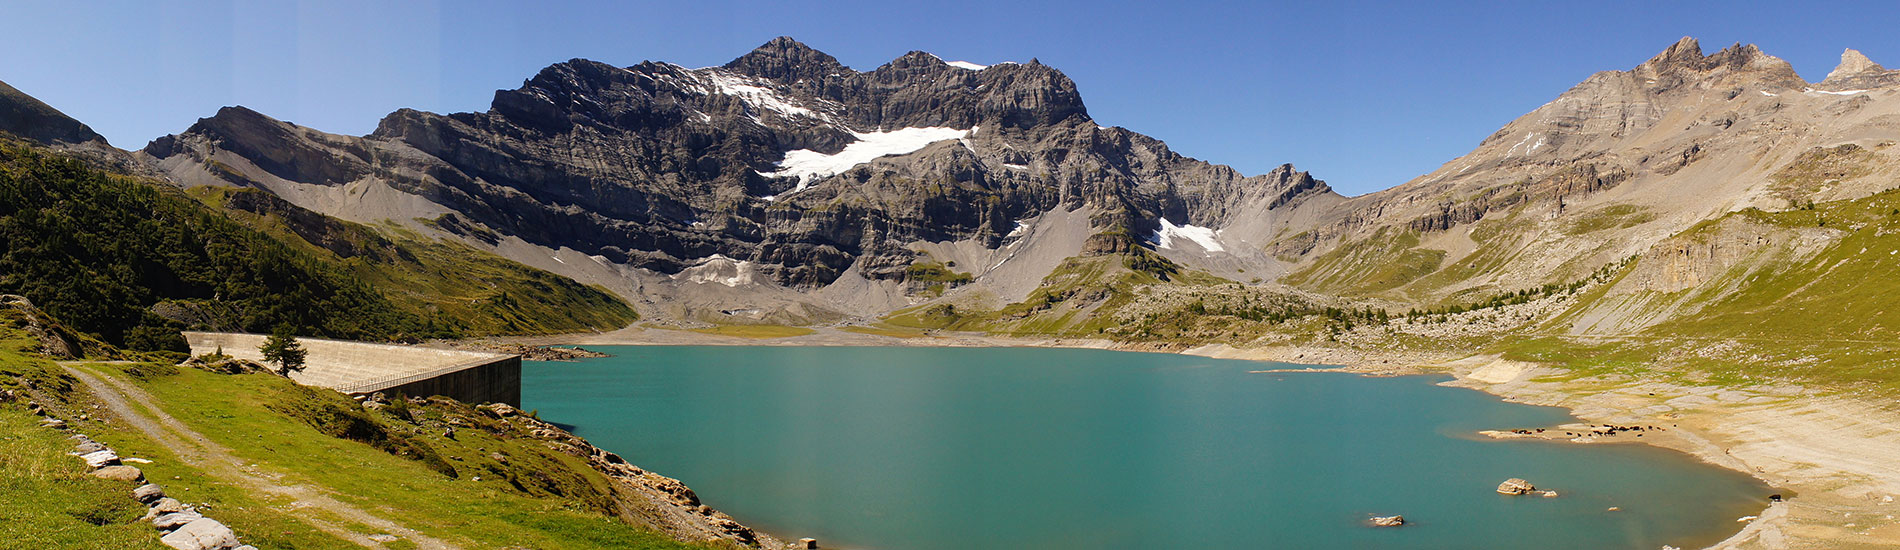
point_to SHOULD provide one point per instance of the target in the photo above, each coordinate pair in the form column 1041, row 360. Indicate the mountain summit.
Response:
column 1856, row 71
column 814, row 186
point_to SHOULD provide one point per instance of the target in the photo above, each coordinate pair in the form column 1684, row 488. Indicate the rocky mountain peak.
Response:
column 1684, row 52
column 1853, row 63
column 1856, row 71
column 787, row 60
column 23, row 115
column 1683, row 63
column 917, row 60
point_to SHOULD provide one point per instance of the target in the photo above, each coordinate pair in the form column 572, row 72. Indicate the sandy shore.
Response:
column 1837, row 457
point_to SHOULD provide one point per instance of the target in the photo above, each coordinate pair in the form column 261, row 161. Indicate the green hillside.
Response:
column 468, row 291
column 109, row 254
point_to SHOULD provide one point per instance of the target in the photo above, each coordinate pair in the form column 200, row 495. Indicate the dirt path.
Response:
column 196, row 449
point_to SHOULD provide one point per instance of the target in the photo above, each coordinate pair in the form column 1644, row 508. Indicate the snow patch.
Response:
column 1016, row 166
column 962, row 64
column 1766, row 93
column 808, row 165
column 1842, row 92
column 1520, row 143
column 1202, row 236
column 758, row 97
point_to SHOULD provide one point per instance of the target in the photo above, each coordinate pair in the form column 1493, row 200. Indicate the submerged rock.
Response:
column 1515, row 486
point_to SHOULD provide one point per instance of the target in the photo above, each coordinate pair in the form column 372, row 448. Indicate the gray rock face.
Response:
column 658, row 166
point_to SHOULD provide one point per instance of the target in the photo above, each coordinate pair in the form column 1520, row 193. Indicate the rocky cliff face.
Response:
column 783, row 159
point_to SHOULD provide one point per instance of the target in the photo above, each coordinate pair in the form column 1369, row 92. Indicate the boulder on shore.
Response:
column 1515, row 486
column 1388, row 521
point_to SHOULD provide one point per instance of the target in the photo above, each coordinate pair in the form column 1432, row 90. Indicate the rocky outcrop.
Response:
column 1857, row 72
column 1388, row 521
column 1515, row 486
column 55, row 341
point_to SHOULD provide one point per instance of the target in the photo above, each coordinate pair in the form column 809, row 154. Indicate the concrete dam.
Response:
column 360, row 368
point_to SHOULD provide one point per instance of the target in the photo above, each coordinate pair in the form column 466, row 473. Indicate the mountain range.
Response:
column 786, row 188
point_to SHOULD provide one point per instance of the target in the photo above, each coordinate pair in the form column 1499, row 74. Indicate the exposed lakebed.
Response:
column 940, row 448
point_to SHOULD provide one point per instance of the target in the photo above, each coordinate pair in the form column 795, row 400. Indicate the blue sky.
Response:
column 1365, row 95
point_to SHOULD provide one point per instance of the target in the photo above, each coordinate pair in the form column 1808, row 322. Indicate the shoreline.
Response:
column 1833, row 456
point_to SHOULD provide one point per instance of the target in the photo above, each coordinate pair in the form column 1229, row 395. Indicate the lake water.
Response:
column 944, row 448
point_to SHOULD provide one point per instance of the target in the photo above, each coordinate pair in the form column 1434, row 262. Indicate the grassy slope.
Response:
column 49, row 501
column 1387, row 260
column 536, row 498
column 467, row 290
column 1079, row 298
column 1834, row 317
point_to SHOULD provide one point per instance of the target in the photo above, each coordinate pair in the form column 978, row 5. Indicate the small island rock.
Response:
column 1388, row 521
column 1515, row 486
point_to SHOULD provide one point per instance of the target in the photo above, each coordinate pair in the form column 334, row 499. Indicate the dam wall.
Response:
column 359, row 368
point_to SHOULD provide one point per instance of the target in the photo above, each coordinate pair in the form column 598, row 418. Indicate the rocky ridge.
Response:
column 1610, row 169
column 652, row 170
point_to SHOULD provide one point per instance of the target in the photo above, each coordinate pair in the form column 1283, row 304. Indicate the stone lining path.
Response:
column 196, row 449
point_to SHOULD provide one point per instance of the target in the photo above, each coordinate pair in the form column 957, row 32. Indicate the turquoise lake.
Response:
column 957, row 448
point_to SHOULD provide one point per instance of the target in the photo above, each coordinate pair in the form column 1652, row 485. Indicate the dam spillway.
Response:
column 360, row 368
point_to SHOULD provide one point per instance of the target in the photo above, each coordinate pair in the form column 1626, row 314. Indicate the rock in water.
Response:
column 201, row 534
column 1515, row 486
column 1388, row 521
